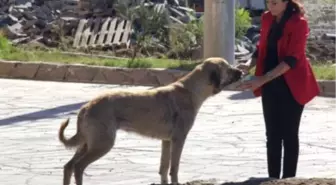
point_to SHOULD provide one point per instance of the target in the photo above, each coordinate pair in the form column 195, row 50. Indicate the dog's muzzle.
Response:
column 237, row 75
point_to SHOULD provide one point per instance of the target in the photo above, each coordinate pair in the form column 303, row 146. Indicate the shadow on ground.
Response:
column 250, row 181
column 242, row 95
column 43, row 114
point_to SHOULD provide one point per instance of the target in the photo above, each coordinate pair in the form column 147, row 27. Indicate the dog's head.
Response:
column 220, row 73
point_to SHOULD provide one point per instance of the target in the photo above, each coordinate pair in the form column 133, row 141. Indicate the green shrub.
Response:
column 242, row 21
column 151, row 22
column 184, row 38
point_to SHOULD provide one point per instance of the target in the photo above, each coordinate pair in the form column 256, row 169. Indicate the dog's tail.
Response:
column 73, row 141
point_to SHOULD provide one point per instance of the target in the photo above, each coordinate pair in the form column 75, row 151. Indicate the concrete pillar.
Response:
column 219, row 29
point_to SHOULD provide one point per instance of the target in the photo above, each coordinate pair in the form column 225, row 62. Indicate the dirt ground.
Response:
column 312, row 181
column 321, row 19
column 266, row 181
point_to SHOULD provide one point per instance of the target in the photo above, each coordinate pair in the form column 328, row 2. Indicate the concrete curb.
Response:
column 327, row 88
column 88, row 74
column 106, row 75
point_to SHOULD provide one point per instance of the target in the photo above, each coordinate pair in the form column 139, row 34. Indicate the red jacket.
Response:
column 300, row 78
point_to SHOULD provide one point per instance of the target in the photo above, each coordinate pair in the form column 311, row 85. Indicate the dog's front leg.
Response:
column 176, row 150
column 165, row 160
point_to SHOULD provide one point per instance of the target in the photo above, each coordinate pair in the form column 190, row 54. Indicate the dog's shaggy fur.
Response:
column 166, row 113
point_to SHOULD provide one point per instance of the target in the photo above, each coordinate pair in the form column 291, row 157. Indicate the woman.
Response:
column 284, row 80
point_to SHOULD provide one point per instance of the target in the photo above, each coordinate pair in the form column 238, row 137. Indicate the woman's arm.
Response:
column 278, row 71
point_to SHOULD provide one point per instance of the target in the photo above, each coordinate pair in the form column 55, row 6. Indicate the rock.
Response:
column 28, row 24
column 321, row 49
column 14, row 31
column 29, row 19
column 29, row 15
column 8, row 20
column 20, row 40
column 13, row 19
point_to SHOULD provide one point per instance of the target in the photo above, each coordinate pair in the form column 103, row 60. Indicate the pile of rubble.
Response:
column 322, row 49
column 48, row 20
column 52, row 21
column 42, row 20
column 321, row 18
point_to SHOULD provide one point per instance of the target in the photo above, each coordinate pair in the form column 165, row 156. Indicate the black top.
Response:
column 271, row 60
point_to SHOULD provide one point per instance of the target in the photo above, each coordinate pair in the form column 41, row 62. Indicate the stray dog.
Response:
column 166, row 113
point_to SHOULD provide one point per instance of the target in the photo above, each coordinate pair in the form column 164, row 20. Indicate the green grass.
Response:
column 324, row 72
column 59, row 57
column 9, row 52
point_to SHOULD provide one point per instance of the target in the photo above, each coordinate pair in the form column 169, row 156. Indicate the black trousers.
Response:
column 282, row 115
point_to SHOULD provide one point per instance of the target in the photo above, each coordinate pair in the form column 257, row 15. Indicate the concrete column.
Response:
column 219, row 29
column 208, row 30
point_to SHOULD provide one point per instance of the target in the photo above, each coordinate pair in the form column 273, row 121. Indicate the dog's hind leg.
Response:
column 165, row 161
column 98, row 145
column 68, row 167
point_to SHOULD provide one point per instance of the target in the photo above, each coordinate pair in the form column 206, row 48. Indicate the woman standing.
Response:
column 284, row 80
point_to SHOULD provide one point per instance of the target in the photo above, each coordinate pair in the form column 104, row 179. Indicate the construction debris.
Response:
column 42, row 20
column 26, row 20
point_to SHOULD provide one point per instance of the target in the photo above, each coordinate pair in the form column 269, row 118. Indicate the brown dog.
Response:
column 166, row 113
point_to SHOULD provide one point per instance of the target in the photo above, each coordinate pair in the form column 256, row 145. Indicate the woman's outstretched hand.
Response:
column 253, row 84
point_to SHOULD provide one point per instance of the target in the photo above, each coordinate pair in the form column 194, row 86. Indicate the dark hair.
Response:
column 295, row 6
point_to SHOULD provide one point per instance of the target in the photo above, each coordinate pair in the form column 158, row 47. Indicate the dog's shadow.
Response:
column 250, row 181
column 63, row 110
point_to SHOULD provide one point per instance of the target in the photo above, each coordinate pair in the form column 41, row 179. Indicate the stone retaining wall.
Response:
column 105, row 75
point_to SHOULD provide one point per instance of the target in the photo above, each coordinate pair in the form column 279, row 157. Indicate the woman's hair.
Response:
column 295, row 6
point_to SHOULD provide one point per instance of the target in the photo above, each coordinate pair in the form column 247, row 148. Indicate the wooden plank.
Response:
column 95, row 31
column 102, row 28
column 119, row 31
column 86, row 34
column 103, row 31
column 79, row 32
column 111, row 32
column 127, row 31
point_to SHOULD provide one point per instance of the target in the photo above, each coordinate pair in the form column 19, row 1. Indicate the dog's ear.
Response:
column 215, row 79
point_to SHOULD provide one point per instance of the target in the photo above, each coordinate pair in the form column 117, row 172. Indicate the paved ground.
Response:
column 226, row 143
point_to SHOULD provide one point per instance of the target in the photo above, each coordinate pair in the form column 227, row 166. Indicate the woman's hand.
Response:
column 259, row 81
column 252, row 85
